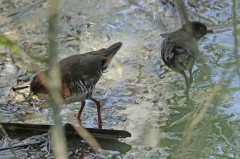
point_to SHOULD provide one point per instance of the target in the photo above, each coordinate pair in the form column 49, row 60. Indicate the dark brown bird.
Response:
column 179, row 49
column 79, row 75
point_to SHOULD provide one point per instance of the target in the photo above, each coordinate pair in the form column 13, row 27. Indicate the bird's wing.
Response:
column 185, row 41
column 179, row 51
column 84, row 67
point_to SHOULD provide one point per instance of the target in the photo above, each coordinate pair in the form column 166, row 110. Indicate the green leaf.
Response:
column 9, row 44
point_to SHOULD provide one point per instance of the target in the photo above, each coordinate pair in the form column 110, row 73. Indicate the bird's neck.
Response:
column 190, row 32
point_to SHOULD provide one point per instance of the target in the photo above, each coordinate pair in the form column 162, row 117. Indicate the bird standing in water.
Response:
column 179, row 49
column 79, row 75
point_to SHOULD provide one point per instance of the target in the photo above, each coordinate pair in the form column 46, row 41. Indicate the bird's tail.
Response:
column 109, row 53
column 114, row 48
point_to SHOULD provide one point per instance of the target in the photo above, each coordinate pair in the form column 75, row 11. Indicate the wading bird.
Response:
column 79, row 75
column 179, row 49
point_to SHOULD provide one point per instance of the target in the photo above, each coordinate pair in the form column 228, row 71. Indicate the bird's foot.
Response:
column 100, row 126
column 78, row 118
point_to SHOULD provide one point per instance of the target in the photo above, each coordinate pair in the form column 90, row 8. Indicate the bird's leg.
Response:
column 187, row 94
column 188, row 83
column 190, row 80
column 80, row 110
column 190, row 77
column 98, row 112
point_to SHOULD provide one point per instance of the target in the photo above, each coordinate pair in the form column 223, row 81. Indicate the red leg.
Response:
column 80, row 110
column 98, row 112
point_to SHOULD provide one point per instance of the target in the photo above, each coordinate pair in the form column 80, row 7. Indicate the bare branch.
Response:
column 53, row 83
column 182, row 11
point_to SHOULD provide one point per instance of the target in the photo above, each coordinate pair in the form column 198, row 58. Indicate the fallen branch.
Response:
column 21, row 145
column 19, row 88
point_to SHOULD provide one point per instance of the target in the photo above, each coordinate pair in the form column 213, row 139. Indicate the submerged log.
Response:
column 100, row 133
column 108, row 139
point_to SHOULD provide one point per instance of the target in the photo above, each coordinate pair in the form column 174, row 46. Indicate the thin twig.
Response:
column 21, row 145
column 182, row 11
column 212, row 20
column 53, row 84
column 19, row 88
column 88, row 137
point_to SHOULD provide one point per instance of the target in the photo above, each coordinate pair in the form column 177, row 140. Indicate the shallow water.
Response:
column 145, row 98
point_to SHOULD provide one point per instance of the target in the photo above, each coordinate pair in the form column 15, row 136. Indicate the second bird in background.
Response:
column 179, row 49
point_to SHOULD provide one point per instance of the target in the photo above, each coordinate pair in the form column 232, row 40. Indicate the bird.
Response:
column 179, row 49
column 79, row 75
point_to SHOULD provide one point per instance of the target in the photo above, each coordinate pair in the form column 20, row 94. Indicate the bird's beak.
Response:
column 209, row 31
column 30, row 95
column 164, row 35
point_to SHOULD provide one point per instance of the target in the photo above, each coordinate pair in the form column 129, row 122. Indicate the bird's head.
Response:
column 196, row 29
column 38, row 83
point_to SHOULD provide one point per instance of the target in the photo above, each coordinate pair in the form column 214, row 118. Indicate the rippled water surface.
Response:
column 138, row 93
